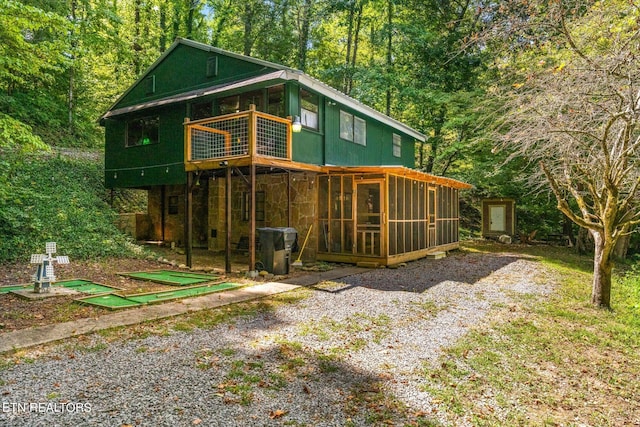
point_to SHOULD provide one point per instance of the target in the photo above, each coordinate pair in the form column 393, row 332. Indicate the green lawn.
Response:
column 556, row 362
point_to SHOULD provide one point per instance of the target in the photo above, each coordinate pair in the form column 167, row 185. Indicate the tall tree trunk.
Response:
column 567, row 230
column 176, row 20
column 191, row 4
column 136, row 37
column 303, row 36
column 354, row 55
column 602, row 268
column 436, row 140
column 248, row 29
column 71, row 95
column 347, row 59
column 583, row 241
column 222, row 21
column 162, row 42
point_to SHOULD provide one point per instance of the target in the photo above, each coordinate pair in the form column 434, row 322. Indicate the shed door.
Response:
column 369, row 218
column 497, row 218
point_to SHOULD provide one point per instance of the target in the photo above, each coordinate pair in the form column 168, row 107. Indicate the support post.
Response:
column 288, row 198
column 188, row 220
column 227, row 257
column 163, row 204
column 252, row 226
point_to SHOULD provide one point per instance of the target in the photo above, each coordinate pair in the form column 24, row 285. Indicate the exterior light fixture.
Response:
column 296, row 125
column 224, row 163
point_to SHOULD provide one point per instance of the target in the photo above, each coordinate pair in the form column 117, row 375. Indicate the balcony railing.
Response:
column 247, row 134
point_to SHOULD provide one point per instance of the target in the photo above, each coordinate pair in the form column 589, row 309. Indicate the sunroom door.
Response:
column 369, row 218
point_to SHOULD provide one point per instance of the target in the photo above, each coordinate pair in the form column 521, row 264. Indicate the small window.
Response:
column 246, row 204
column 359, row 131
column 173, row 205
column 397, row 145
column 201, row 110
column 142, row 131
column 150, row 85
column 212, row 66
column 353, row 128
column 255, row 97
column 230, row 104
column 276, row 101
column 346, row 126
column 308, row 109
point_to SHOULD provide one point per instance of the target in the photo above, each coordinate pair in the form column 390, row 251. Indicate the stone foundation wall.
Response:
column 276, row 209
column 174, row 214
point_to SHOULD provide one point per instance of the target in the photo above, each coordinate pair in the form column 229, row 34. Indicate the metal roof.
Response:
column 283, row 74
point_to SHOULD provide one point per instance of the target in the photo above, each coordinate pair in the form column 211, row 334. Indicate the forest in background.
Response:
column 438, row 65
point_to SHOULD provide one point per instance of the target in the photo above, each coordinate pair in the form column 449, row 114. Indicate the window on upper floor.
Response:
column 237, row 103
column 353, row 128
column 359, row 131
column 275, row 100
column 142, row 131
column 201, row 110
column 309, row 109
column 397, row 145
column 229, row 104
column 255, row 97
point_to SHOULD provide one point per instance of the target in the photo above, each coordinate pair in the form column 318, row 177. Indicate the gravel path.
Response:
column 352, row 353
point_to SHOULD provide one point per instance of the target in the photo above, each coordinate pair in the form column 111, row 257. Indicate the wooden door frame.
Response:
column 383, row 214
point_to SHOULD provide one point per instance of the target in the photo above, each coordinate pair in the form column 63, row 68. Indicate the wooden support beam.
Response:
column 188, row 220
column 288, row 198
column 252, row 226
column 227, row 257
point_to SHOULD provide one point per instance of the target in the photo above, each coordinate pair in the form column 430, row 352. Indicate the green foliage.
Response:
column 56, row 199
column 16, row 136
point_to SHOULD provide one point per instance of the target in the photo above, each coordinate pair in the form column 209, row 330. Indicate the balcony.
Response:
column 239, row 139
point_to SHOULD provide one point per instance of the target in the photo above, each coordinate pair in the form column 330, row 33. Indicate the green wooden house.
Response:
column 226, row 144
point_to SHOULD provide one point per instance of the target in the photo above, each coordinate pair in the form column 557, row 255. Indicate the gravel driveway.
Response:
column 350, row 353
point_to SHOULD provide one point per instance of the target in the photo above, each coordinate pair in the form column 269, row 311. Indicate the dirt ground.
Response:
column 19, row 313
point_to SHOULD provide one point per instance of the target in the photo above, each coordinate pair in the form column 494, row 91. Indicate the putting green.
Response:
column 110, row 301
column 80, row 285
column 7, row 289
column 174, row 278
column 151, row 298
column 87, row 286
column 114, row 301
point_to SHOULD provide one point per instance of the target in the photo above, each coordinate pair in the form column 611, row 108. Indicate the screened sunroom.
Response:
column 385, row 215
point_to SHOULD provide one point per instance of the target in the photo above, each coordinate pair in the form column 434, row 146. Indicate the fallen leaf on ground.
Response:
column 277, row 414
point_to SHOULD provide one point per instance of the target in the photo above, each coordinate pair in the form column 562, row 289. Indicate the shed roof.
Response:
column 282, row 74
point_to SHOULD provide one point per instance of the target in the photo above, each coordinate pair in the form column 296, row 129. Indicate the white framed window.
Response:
column 353, row 128
column 308, row 109
column 397, row 145
column 346, row 126
column 359, row 131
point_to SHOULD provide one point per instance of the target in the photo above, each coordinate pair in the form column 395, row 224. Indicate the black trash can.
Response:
column 276, row 244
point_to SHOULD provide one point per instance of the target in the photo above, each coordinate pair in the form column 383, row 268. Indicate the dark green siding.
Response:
column 379, row 148
column 186, row 69
column 145, row 165
column 307, row 147
column 308, row 144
